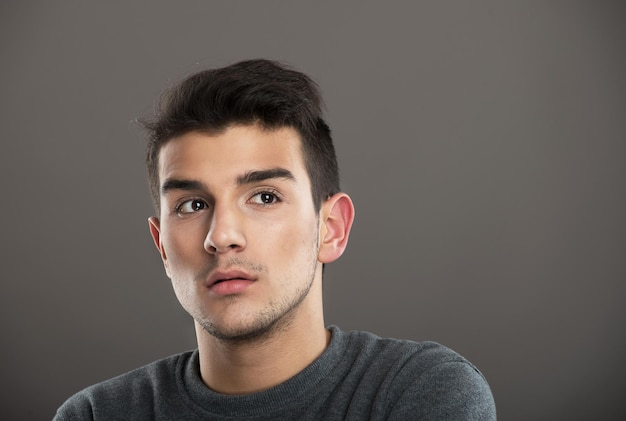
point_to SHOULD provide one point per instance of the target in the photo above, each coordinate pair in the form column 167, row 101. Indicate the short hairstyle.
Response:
column 260, row 91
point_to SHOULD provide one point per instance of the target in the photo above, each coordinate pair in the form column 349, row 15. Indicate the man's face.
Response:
column 238, row 232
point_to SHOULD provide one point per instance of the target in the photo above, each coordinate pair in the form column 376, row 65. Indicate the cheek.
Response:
column 298, row 239
column 181, row 246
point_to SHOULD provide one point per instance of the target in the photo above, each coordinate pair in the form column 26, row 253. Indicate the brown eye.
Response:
column 191, row 206
column 267, row 198
column 264, row 198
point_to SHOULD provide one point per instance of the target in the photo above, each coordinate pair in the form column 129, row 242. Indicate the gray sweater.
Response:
column 358, row 377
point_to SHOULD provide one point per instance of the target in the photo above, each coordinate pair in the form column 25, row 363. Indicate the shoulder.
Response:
column 118, row 393
column 399, row 354
column 421, row 379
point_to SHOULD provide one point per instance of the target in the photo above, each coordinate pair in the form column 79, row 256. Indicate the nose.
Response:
column 226, row 231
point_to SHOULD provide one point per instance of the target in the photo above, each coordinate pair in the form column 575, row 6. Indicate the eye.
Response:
column 191, row 206
column 265, row 198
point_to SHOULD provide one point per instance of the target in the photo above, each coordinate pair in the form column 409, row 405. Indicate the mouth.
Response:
column 229, row 282
column 220, row 276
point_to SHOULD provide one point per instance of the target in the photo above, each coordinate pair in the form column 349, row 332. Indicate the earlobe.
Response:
column 155, row 231
column 336, row 217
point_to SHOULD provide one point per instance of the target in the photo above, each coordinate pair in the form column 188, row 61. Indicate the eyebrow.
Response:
column 262, row 175
column 247, row 178
column 176, row 184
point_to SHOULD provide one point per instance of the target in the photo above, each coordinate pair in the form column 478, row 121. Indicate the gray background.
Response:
column 482, row 142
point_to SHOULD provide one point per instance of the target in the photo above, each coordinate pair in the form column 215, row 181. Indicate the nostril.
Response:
column 214, row 250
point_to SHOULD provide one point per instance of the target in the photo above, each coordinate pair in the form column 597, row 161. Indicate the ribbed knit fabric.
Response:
column 358, row 377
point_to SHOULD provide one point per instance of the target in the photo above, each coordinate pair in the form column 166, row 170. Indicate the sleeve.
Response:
column 78, row 407
column 448, row 391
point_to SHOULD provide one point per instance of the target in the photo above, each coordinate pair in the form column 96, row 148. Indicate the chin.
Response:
column 258, row 330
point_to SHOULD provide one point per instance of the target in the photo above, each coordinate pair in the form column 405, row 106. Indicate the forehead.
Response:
column 228, row 154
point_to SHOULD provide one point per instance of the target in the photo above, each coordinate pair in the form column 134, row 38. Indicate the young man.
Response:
column 244, row 180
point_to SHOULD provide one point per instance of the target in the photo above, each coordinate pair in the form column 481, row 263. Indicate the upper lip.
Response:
column 224, row 275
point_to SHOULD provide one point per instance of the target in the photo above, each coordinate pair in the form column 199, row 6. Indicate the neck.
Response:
column 249, row 366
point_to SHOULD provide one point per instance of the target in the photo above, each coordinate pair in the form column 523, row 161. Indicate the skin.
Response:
column 239, row 203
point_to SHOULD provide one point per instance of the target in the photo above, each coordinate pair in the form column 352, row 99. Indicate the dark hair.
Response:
column 261, row 92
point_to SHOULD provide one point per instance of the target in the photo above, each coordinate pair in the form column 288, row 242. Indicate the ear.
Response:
column 155, row 230
column 336, row 217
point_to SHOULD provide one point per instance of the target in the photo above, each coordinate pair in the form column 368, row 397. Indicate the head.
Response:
column 244, row 179
column 260, row 92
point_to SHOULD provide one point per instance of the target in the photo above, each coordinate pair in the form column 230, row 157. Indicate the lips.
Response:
column 229, row 275
column 227, row 282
